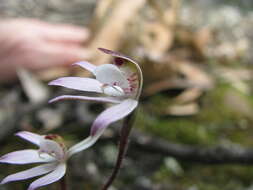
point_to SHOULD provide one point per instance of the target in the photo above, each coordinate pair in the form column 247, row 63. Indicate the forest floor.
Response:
column 206, row 105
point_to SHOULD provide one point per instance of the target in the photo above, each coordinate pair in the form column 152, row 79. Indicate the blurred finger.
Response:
column 66, row 34
column 53, row 55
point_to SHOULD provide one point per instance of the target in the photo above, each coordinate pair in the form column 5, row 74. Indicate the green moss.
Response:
column 217, row 120
column 174, row 129
column 225, row 177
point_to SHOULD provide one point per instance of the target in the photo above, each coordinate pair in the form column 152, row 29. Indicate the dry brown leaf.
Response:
column 196, row 76
column 174, row 74
column 157, row 70
column 202, row 39
column 157, row 34
column 156, row 39
column 189, row 95
column 170, row 16
column 196, row 42
column 102, row 9
column 112, row 32
column 183, row 110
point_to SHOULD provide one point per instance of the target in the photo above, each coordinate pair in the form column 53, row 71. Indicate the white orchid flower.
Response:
column 52, row 154
column 120, row 83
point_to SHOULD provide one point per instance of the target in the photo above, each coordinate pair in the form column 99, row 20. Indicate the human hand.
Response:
column 37, row 45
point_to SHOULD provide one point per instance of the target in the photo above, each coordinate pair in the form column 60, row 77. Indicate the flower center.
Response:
column 53, row 145
column 113, row 90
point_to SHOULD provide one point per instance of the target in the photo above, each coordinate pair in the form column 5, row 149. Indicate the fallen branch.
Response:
column 206, row 155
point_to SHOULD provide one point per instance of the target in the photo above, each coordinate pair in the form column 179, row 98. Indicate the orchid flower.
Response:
column 52, row 154
column 120, row 83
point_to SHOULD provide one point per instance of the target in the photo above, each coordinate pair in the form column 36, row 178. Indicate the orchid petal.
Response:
column 78, row 83
column 86, row 143
column 113, row 114
column 27, row 156
column 86, row 65
column 33, row 172
column 31, row 137
column 51, row 147
column 86, row 98
column 115, row 54
column 52, row 177
column 110, row 74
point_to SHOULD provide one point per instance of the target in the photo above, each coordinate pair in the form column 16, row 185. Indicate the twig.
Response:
column 125, row 131
column 233, row 154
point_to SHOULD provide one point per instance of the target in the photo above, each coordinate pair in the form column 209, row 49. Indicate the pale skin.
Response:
column 37, row 45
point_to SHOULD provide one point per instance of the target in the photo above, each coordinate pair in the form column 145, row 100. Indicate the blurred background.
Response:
column 194, row 127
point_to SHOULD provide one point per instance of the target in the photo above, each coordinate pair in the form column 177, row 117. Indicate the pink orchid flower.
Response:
column 120, row 83
column 52, row 153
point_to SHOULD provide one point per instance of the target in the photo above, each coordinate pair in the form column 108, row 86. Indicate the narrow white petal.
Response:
column 113, row 114
column 26, row 174
column 78, row 83
column 31, row 137
column 86, row 65
column 86, row 143
column 110, row 74
column 86, row 98
column 27, row 156
column 52, row 177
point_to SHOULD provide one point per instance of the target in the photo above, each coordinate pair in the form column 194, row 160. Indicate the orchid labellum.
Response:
column 119, row 83
column 52, row 154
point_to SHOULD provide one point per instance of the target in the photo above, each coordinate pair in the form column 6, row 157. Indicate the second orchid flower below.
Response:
column 52, row 156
